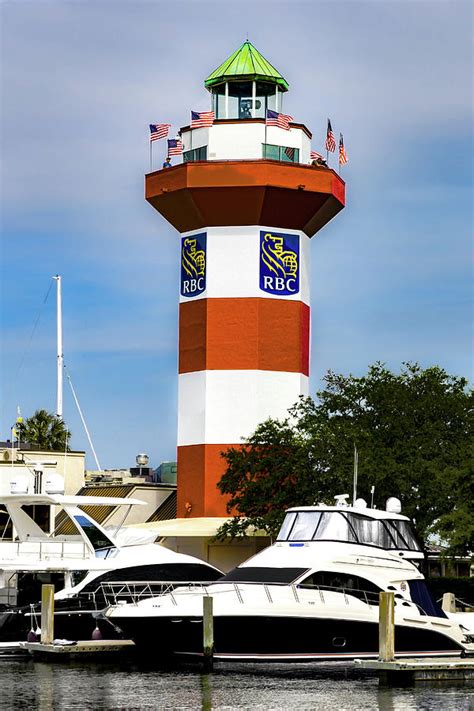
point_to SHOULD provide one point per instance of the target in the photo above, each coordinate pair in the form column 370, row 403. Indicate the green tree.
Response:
column 45, row 431
column 413, row 433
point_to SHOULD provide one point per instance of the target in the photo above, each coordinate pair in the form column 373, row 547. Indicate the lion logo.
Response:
column 279, row 263
column 193, row 265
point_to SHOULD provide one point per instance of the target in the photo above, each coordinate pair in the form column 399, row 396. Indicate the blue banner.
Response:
column 279, row 263
column 193, row 265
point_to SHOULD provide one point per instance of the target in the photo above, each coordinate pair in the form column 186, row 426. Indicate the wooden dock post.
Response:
column 208, row 632
column 47, row 614
column 386, row 627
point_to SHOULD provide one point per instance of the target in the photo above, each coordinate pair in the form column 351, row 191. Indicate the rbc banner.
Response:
column 279, row 263
column 193, row 265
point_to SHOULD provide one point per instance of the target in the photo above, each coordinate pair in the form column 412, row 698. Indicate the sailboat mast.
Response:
column 60, row 357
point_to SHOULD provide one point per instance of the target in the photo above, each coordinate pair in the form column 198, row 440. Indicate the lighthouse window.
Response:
column 240, row 100
column 195, row 154
column 287, row 154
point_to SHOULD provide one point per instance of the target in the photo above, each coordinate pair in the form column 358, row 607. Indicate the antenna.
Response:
column 60, row 356
column 356, row 471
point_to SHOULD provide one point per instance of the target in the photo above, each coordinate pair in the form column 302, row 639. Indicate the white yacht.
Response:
column 312, row 595
column 79, row 566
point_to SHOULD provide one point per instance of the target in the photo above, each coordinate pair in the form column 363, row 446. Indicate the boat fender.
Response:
column 31, row 636
column 96, row 634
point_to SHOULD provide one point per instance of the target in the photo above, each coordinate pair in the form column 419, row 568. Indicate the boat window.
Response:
column 305, row 526
column 334, row 527
column 284, row 576
column 371, row 531
column 286, row 526
column 77, row 576
column 98, row 539
column 341, row 582
column 405, row 534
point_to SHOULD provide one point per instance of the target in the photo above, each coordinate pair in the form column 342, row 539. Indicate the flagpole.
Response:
column 151, row 156
column 265, row 139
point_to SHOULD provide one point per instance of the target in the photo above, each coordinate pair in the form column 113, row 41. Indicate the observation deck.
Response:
column 213, row 193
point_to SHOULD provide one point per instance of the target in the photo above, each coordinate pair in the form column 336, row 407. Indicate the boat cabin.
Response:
column 367, row 527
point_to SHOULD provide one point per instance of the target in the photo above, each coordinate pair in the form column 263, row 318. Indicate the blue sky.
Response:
column 80, row 81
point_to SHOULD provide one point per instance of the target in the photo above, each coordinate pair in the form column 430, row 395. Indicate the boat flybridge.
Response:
column 79, row 565
column 312, row 595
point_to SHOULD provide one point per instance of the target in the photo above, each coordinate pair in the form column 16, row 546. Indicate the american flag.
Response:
column 175, row 147
column 202, row 119
column 314, row 155
column 280, row 120
column 159, row 130
column 330, row 140
column 290, row 152
column 342, row 151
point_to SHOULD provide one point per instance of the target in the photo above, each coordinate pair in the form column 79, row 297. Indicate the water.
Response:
column 26, row 684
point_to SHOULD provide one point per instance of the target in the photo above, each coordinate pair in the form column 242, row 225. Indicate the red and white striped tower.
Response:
column 246, row 201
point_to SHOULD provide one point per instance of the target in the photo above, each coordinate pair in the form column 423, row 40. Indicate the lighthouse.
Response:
column 246, row 202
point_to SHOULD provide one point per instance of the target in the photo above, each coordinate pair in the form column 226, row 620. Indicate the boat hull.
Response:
column 269, row 638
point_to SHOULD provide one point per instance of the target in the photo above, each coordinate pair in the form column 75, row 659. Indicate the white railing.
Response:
column 43, row 550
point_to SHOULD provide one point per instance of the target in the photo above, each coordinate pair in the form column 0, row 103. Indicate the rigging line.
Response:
column 33, row 331
column 82, row 418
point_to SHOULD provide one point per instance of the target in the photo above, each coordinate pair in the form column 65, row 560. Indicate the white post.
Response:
column 277, row 108
column 254, row 98
column 60, row 357
column 449, row 602
column 227, row 99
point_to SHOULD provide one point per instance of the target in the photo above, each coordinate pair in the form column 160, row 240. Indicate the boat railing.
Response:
column 43, row 550
column 124, row 592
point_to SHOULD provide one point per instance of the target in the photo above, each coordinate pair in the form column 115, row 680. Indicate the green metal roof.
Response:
column 246, row 64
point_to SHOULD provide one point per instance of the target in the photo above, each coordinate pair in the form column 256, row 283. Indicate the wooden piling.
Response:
column 386, row 626
column 207, row 633
column 47, row 614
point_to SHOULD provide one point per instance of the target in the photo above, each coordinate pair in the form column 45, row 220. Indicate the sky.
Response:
column 81, row 81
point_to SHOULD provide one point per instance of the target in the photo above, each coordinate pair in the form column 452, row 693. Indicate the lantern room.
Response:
column 245, row 86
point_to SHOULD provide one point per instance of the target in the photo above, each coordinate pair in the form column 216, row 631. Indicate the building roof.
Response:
column 64, row 525
column 246, row 63
column 191, row 527
column 166, row 510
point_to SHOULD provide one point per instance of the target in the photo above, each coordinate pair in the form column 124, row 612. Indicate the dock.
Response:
column 458, row 669
column 88, row 647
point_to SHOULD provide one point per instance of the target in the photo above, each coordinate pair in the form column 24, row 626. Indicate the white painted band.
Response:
column 218, row 406
column 233, row 263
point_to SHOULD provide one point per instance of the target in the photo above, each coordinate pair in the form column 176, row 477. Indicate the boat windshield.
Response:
column 349, row 527
column 101, row 544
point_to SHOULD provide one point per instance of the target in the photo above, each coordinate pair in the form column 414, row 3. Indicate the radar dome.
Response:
column 393, row 505
column 54, row 483
column 19, row 485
